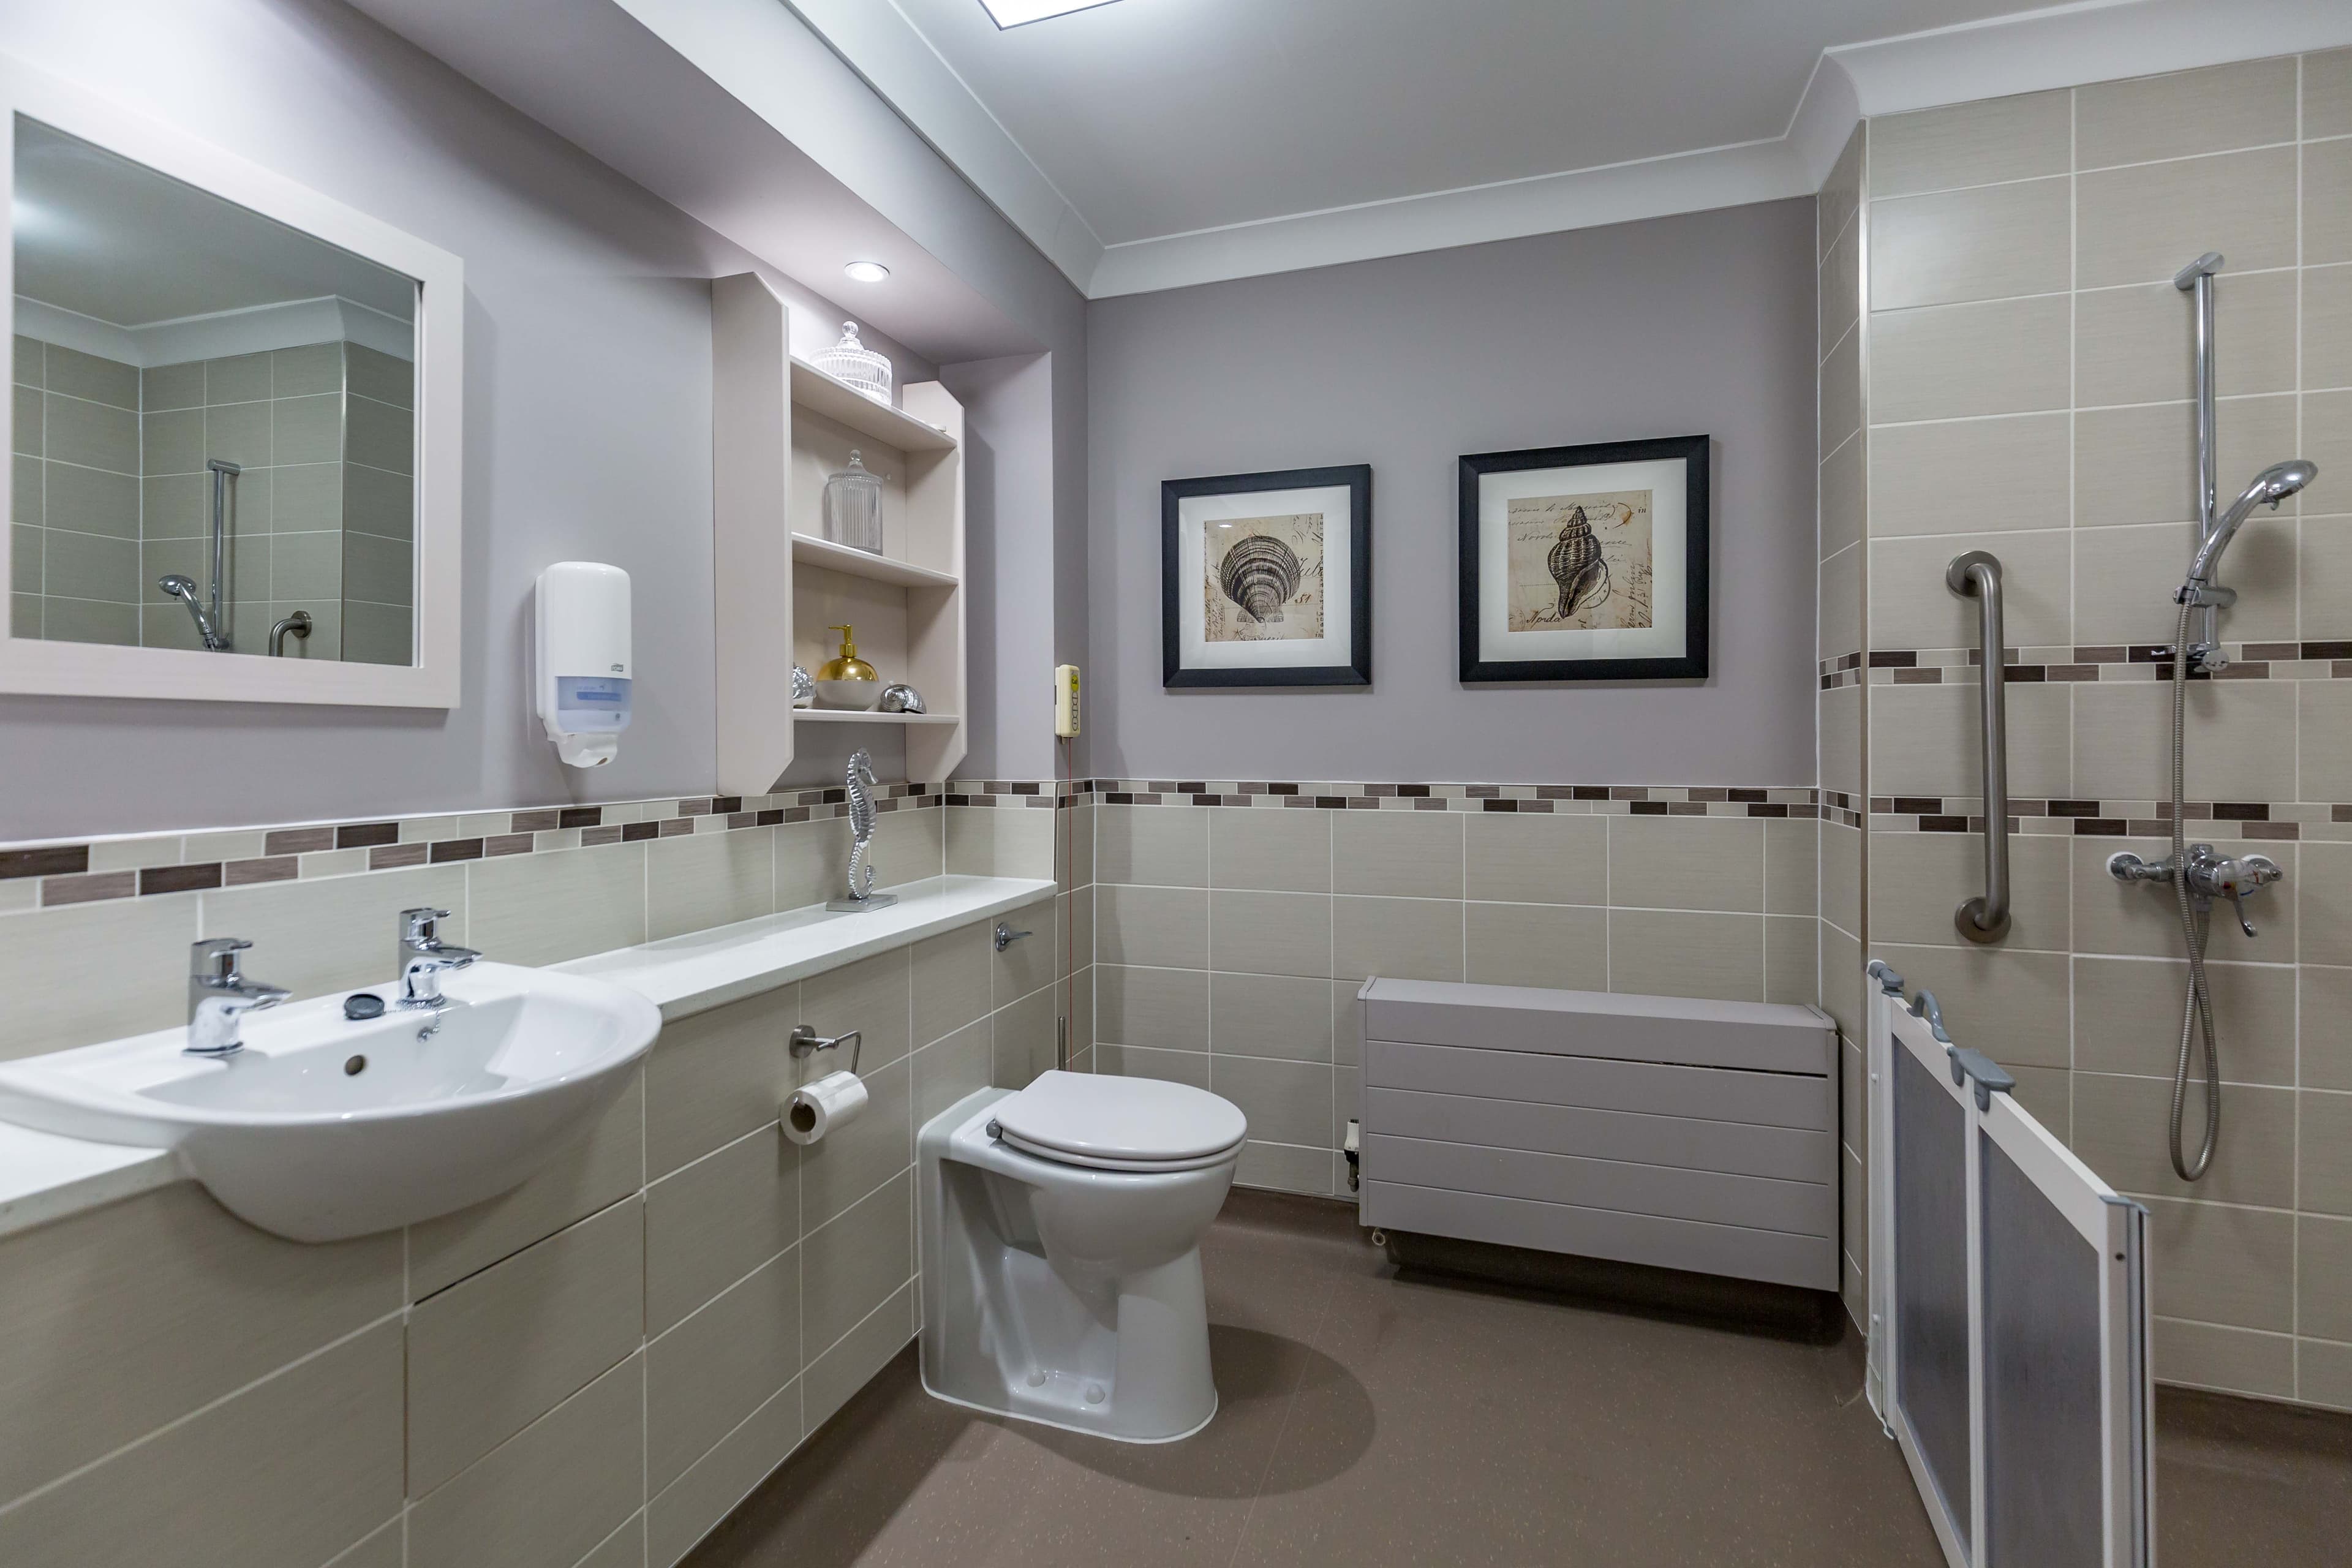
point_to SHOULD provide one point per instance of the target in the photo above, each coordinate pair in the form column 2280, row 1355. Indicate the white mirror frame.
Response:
column 97, row 669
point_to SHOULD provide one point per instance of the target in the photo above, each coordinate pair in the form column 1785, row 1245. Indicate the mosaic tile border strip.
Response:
column 1637, row 799
column 2117, row 819
column 2103, row 661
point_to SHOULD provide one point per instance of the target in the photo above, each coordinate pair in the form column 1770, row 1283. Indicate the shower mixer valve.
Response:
column 2210, row 876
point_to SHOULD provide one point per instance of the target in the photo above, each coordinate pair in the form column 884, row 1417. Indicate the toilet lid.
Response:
column 1091, row 1118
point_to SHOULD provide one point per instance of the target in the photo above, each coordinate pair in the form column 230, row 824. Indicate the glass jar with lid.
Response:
column 853, row 507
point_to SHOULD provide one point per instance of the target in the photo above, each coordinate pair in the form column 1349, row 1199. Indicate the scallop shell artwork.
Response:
column 1577, row 565
column 1259, row 574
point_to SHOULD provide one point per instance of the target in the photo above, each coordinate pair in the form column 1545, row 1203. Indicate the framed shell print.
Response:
column 1267, row 579
column 1585, row 563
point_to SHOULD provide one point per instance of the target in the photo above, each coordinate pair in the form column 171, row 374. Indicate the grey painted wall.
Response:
column 1668, row 327
column 588, row 424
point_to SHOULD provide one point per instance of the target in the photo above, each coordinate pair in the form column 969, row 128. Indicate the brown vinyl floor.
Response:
column 1372, row 1417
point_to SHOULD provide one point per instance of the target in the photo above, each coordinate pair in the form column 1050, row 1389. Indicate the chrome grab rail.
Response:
column 1977, row 576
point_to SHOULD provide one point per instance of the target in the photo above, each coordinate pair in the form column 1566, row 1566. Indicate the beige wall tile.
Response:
column 1838, row 629
column 1034, row 959
column 491, row 1354
column 2325, row 1002
column 2121, row 1123
column 1918, row 879
column 812, row 859
column 292, row 1470
column 2324, row 730
column 947, row 1070
column 1347, row 1022
column 2327, row 202
column 1023, row 1040
column 1842, row 887
column 1927, row 740
column 105, row 1310
column 1405, row 939
column 1841, row 193
column 2138, row 464
column 1287, row 1102
column 1686, row 863
column 2324, row 1141
column 1167, row 1008
column 2249, row 104
column 1978, row 474
column 1840, row 413
column 2132, row 344
column 1269, row 1016
column 102, row 971
column 1559, row 945
column 2141, row 918
column 2327, row 93
column 1284, row 1168
column 2128, row 1018
column 2324, row 1277
column 855, row 1263
column 2048, row 1096
column 1271, row 934
column 1842, row 979
column 2326, row 326
column 707, row 1374
column 624, row 1548
column 1839, row 715
column 2144, row 224
column 852, row 1161
column 680, row 1516
column 1537, row 858
column 1842, row 500
column 874, row 995
column 339, row 934
column 1951, row 361
column 1984, row 244
column 2213, row 1264
column 1138, row 1061
column 706, row 880
column 864, row 1352
column 1791, row 954
column 544, row 909
column 547, row 1497
column 2011, row 1005
column 2324, row 1373
column 717, row 1076
column 1977, row 143
column 1167, row 927
column 2327, row 441
column 954, row 980
column 2123, row 741
column 2125, row 578
column 1792, row 866
column 1672, row 953
column 2206, row 1355
column 909, row 845
column 1162, row 846
column 1911, row 606
column 1399, row 854
column 1280, row 850
column 385, row 1549
column 717, row 1219
column 602, row 1166
column 1838, row 283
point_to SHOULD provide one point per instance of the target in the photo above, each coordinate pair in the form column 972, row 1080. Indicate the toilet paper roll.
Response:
column 818, row 1108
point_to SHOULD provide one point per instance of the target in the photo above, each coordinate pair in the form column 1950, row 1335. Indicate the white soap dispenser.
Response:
column 582, row 613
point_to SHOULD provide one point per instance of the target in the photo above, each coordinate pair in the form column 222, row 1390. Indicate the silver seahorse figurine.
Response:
column 1259, row 574
column 1577, row 565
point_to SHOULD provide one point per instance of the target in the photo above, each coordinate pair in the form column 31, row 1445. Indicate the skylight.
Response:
column 1012, row 13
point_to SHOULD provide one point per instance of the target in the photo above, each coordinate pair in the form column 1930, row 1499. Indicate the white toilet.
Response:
column 1061, row 1237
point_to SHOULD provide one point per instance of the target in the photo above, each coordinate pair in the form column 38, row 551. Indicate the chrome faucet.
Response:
column 219, row 997
column 424, row 957
column 2211, row 875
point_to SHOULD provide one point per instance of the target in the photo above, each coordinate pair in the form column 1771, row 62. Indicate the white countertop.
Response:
column 44, row 1177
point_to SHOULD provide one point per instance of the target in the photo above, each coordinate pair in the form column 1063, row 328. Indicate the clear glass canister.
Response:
column 860, row 366
column 853, row 507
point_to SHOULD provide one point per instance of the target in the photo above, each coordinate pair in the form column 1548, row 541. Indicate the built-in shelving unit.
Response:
column 780, row 427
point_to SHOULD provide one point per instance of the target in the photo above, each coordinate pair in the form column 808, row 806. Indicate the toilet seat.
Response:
column 1109, row 1123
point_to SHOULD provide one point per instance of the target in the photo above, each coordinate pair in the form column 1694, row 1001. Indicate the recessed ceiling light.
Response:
column 867, row 271
column 1012, row 13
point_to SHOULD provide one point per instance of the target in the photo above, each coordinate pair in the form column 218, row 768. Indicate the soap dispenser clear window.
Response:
column 853, row 507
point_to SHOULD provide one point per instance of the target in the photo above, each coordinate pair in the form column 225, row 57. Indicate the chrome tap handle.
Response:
column 214, row 959
column 2238, row 905
column 420, row 928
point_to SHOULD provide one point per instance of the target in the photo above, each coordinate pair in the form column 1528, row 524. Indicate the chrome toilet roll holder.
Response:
column 805, row 1041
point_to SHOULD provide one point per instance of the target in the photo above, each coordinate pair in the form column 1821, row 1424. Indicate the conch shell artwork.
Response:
column 1262, row 578
column 1578, row 562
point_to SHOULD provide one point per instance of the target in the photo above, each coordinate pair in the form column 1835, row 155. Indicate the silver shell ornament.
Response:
column 803, row 688
column 1577, row 565
column 1259, row 574
column 901, row 698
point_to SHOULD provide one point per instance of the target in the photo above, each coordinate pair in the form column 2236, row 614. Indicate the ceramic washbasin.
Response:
column 324, row 1127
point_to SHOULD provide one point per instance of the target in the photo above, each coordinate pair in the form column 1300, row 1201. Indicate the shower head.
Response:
column 177, row 586
column 2272, row 485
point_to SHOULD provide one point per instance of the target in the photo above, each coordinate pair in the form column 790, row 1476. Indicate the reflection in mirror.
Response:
column 214, row 421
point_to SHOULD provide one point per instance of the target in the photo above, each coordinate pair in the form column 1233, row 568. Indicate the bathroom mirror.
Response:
column 232, row 425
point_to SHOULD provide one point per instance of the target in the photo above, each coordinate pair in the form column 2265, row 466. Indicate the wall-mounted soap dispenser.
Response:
column 581, row 643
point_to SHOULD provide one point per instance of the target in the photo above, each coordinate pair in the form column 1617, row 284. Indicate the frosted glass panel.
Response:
column 2043, row 1390
column 1931, row 1274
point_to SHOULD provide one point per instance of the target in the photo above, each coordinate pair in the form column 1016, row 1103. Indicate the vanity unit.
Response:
column 1661, row 1130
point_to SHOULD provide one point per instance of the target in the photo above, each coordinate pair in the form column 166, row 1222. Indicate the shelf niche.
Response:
column 780, row 427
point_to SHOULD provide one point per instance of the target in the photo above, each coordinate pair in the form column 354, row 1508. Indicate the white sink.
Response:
column 324, row 1128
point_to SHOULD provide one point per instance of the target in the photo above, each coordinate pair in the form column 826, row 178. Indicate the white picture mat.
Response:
column 1667, row 480
column 1196, row 514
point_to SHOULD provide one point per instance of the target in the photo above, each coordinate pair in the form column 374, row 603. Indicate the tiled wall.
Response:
column 1234, row 922
column 73, row 508
column 378, row 510
column 2028, row 384
column 592, row 1369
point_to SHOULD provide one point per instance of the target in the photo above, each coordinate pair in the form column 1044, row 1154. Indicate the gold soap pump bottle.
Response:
column 848, row 666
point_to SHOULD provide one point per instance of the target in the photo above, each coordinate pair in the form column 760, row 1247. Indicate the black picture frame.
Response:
column 1691, row 664
column 1358, row 670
